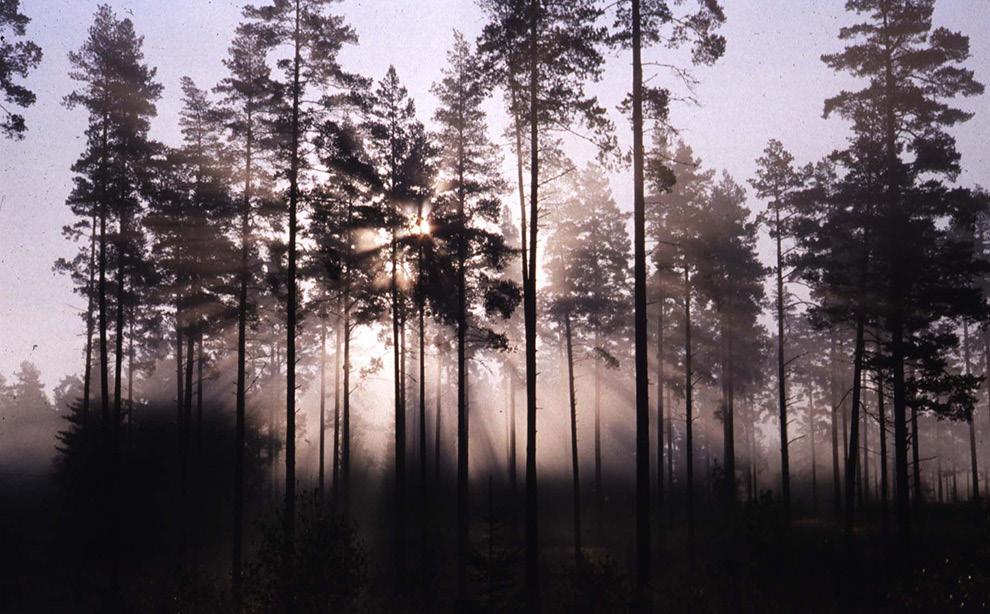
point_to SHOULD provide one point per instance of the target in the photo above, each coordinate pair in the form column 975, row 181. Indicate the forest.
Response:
column 343, row 356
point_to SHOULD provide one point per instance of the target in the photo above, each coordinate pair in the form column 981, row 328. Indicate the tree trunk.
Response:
column 90, row 324
column 320, row 482
column 599, row 486
column 290, row 341
column 335, row 449
column 463, row 522
column 916, row 458
column 854, row 424
column 422, row 398
column 971, row 422
column 836, row 401
column 642, row 367
column 532, row 556
column 575, row 469
column 866, row 457
column 345, row 423
column 237, row 553
column 785, row 471
column 660, row 412
column 728, row 426
column 688, row 418
column 814, row 460
column 437, row 416
column 884, row 488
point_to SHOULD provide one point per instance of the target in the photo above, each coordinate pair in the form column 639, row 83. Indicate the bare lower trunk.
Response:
column 688, row 417
column 532, row 540
column 575, row 469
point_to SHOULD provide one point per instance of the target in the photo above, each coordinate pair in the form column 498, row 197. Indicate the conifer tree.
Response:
column 642, row 24
column 912, row 72
column 17, row 59
column 554, row 49
column 398, row 146
column 247, row 95
column 469, row 252
column 776, row 179
column 312, row 37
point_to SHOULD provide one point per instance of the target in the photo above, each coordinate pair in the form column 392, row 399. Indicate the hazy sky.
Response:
column 771, row 83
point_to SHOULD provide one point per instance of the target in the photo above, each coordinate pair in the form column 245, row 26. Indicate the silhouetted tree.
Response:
column 642, row 24
column 17, row 59
column 912, row 71
column 312, row 37
column 468, row 255
column 553, row 47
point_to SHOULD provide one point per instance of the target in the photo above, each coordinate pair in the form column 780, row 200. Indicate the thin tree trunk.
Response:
column 916, row 458
column 971, row 422
column 854, row 423
column 688, row 417
column 728, row 425
column 660, row 385
column 532, row 541
column 463, row 522
column 640, row 329
column 834, row 385
column 335, row 451
column 290, row 342
column 438, row 414
column 90, row 324
column 811, row 437
column 599, row 486
column 884, row 488
column 345, row 423
column 422, row 398
column 575, row 469
column 785, row 472
column 237, row 553
column 866, row 457
column 320, row 483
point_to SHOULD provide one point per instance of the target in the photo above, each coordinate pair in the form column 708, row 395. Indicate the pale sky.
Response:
column 771, row 83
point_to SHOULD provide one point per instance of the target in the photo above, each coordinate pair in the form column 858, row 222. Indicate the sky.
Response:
column 770, row 84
